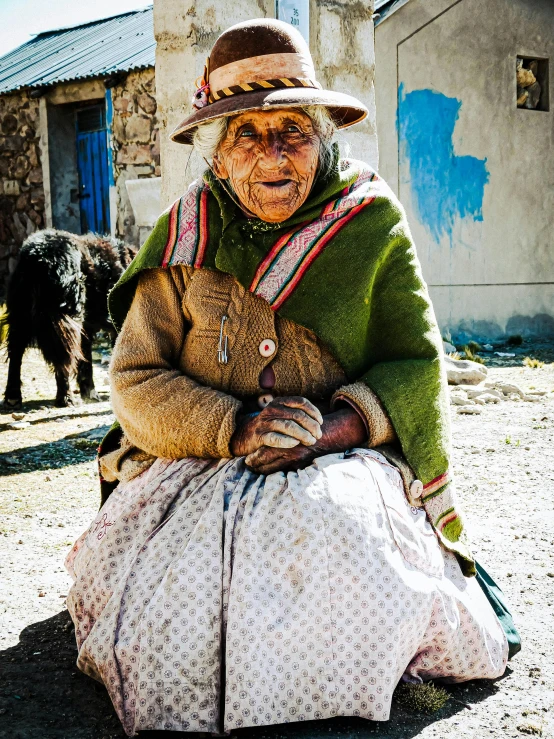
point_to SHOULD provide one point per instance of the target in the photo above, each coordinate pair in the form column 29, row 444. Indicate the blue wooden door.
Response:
column 92, row 165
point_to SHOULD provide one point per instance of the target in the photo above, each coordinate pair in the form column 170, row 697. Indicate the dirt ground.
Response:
column 504, row 463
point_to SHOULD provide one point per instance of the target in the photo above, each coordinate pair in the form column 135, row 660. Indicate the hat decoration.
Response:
column 201, row 97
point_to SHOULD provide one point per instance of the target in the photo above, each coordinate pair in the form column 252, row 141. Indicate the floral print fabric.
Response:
column 209, row 598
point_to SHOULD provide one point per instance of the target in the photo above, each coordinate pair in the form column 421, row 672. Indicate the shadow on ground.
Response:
column 49, row 419
column 52, row 455
column 43, row 694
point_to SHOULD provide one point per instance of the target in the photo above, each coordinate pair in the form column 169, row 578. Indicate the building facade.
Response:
column 78, row 119
column 466, row 139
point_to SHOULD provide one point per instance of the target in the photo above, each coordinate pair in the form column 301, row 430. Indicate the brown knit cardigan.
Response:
column 174, row 399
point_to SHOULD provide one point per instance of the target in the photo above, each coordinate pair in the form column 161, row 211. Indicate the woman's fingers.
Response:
column 279, row 441
column 302, row 403
column 267, row 460
column 278, row 410
column 287, row 427
column 261, row 456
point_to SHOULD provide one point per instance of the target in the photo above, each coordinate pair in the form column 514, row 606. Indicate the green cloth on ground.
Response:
column 496, row 598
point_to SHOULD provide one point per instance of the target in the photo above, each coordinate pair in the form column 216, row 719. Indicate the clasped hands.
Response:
column 290, row 432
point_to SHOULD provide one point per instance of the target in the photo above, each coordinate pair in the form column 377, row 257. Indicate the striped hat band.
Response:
column 271, row 71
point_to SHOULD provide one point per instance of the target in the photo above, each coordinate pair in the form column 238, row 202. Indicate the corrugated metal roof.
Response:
column 117, row 44
column 384, row 8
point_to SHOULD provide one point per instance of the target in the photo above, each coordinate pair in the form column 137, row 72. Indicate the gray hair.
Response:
column 209, row 135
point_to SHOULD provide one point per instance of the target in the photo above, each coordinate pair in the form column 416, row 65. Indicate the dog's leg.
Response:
column 84, row 372
column 12, row 396
column 63, row 393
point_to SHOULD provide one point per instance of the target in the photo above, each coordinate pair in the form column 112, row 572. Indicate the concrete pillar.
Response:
column 341, row 41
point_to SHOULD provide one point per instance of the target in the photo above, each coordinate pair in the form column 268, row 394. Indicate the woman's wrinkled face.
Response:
column 270, row 159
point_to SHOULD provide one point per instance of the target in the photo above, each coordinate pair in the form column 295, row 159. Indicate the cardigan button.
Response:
column 267, row 348
column 265, row 400
column 416, row 489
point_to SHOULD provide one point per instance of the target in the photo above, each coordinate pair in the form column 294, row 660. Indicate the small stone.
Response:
column 480, row 400
column 531, row 398
column 41, row 594
column 456, row 399
column 469, row 410
column 19, row 425
column 464, row 372
column 481, row 391
column 138, row 129
column 530, row 728
column 147, row 103
column 510, row 389
column 489, row 398
column 18, row 416
column 11, row 461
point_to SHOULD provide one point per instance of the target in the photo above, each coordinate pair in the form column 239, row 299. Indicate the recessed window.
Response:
column 532, row 83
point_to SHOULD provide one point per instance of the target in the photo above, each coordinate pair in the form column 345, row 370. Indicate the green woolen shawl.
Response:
column 345, row 267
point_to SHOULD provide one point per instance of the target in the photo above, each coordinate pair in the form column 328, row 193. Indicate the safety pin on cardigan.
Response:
column 222, row 356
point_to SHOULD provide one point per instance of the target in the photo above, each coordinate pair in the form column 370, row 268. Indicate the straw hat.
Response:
column 257, row 65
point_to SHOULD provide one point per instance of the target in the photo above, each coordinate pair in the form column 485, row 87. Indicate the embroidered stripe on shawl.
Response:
column 282, row 269
column 188, row 228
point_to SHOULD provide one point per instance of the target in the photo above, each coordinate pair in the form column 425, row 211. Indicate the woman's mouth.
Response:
column 276, row 183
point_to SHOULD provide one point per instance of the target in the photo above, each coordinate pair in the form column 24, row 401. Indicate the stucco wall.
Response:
column 21, row 190
column 135, row 141
column 475, row 173
column 341, row 41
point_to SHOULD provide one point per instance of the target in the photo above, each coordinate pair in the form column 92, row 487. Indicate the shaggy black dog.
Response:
column 57, row 301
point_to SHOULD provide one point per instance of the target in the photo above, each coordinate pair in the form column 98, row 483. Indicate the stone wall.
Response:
column 21, row 180
column 136, row 142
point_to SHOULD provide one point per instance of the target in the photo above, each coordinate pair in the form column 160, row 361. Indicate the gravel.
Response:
column 504, row 466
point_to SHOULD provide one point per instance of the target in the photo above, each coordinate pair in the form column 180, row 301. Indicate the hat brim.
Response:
column 344, row 109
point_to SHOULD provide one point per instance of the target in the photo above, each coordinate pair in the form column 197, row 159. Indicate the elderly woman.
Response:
column 282, row 542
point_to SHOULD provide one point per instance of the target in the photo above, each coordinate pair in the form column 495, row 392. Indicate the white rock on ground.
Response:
column 464, row 372
column 510, row 389
column 456, row 399
column 489, row 398
column 469, row 409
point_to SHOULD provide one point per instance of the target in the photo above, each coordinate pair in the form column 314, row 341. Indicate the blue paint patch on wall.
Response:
column 445, row 187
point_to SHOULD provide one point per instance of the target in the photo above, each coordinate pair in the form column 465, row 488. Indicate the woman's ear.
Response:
column 219, row 168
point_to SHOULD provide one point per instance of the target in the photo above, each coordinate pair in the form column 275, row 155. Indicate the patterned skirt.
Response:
column 209, row 598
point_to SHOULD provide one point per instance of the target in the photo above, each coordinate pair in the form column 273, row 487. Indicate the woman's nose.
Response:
column 273, row 147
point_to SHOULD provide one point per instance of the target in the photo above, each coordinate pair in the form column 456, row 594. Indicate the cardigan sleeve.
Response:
column 162, row 411
column 377, row 422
